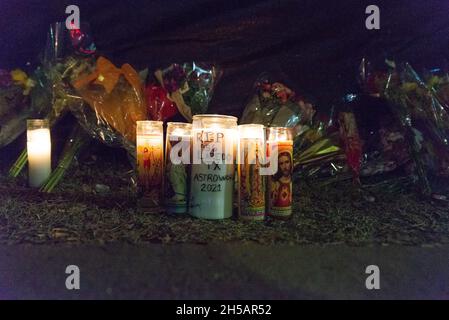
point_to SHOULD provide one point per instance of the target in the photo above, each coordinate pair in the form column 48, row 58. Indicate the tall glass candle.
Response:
column 150, row 162
column 39, row 152
column 212, row 180
column 280, row 183
column 177, row 166
column 251, row 183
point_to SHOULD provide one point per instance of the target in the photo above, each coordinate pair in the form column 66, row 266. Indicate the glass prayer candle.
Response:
column 212, row 179
column 150, row 161
column 177, row 166
column 280, row 182
column 39, row 152
column 251, row 182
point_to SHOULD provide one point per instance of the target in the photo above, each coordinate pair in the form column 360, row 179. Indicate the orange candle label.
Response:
column 150, row 170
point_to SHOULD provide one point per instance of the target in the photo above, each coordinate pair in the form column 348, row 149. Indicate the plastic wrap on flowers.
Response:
column 115, row 101
column 160, row 107
column 59, row 76
column 440, row 91
column 378, row 144
column 438, row 82
column 62, row 42
column 275, row 104
column 46, row 93
column 67, row 54
column 317, row 150
column 14, row 104
column 185, row 88
column 427, row 120
column 403, row 122
column 352, row 143
column 50, row 91
column 315, row 141
column 426, row 107
column 381, row 146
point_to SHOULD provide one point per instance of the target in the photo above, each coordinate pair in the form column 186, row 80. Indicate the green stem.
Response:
column 76, row 141
column 19, row 164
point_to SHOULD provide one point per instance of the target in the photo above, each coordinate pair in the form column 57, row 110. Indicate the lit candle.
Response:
column 251, row 183
column 177, row 161
column 280, row 183
column 150, row 161
column 212, row 180
column 39, row 152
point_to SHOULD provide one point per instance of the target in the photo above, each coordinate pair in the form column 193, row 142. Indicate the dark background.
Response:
column 314, row 46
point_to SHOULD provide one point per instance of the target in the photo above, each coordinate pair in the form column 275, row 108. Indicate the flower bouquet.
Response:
column 182, row 88
column 15, row 89
column 50, row 93
column 106, row 100
column 412, row 124
column 315, row 139
column 114, row 102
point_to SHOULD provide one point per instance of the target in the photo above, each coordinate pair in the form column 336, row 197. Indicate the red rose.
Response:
column 160, row 107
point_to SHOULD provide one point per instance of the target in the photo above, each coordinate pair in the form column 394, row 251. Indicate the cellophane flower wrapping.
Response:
column 316, row 150
column 46, row 92
column 67, row 54
column 184, row 89
column 114, row 102
column 14, row 104
column 408, row 125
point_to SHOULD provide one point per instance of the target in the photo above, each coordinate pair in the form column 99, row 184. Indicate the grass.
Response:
column 336, row 213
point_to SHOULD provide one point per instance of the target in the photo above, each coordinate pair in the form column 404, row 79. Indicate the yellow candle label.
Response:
column 251, row 182
column 150, row 169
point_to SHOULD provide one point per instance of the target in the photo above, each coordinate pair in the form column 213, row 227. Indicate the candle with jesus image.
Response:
column 280, row 183
column 150, row 160
column 177, row 165
column 251, row 182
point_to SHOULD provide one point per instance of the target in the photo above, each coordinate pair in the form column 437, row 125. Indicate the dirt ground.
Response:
column 124, row 253
column 78, row 212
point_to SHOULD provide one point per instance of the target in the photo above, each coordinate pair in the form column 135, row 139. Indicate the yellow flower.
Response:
column 434, row 81
column 409, row 86
column 20, row 78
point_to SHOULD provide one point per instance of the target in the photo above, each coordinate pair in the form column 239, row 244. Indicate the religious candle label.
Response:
column 251, row 184
column 280, row 184
column 212, row 181
column 176, row 187
column 150, row 166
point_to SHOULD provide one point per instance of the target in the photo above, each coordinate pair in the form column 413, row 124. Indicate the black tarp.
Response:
column 314, row 46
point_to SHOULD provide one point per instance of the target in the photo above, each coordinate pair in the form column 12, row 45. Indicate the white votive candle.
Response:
column 39, row 152
column 212, row 179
